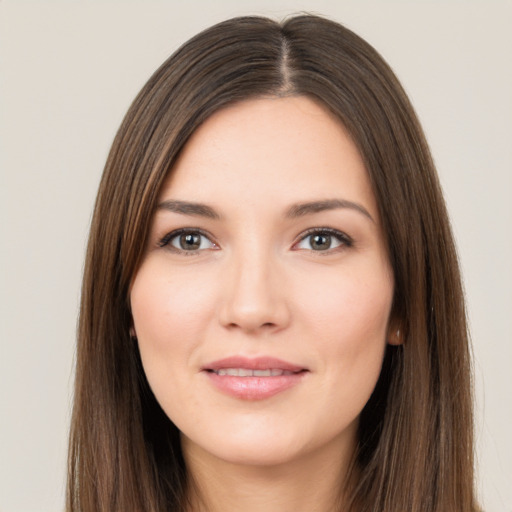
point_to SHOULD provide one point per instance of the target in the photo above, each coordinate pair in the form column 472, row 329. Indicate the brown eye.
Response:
column 186, row 240
column 323, row 240
column 320, row 242
column 189, row 241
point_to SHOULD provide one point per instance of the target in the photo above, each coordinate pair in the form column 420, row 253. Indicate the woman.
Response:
column 272, row 316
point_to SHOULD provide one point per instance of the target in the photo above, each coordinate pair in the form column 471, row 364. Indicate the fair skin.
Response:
column 266, row 249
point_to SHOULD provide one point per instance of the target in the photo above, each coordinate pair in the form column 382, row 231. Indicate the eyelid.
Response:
column 343, row 238
column 165, row 242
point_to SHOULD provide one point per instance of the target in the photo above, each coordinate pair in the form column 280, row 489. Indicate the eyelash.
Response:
column 344, row 240
column 167, row 239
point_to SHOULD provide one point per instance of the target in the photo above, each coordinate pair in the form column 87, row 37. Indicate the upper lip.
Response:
column 256, row 363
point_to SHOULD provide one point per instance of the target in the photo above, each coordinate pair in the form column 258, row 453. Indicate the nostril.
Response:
column 256, row 326
column 253, row 311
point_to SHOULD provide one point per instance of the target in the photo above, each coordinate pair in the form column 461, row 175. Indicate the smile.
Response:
column 253, row 378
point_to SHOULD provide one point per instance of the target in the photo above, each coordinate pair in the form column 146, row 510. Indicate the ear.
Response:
column 133, row 333
column 395, row 338
column 395, row 333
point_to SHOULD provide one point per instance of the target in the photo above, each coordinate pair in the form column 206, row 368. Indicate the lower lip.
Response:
column 254, row 388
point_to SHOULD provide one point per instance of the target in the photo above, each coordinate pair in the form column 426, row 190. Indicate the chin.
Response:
column 265, row 445
column 251, row 447
column 255, row 454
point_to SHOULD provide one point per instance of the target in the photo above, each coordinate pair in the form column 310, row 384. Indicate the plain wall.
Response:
column 69, row 71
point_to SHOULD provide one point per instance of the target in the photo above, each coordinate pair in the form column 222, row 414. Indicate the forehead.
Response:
column 284, row 149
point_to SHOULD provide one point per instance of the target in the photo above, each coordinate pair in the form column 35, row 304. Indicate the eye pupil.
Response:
column 190, row 241
column 320, row 242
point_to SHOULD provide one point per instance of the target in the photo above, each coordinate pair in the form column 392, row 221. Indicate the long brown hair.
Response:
column 415, row 449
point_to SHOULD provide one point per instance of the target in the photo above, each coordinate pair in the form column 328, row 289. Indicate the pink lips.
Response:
column 253, row 379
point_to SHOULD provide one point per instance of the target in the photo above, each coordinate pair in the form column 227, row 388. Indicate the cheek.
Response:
column 170, row 312
column 348, row 317
column 168, row 306
column 351, row 304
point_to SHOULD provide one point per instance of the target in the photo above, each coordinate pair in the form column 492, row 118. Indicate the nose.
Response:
column 254, row 295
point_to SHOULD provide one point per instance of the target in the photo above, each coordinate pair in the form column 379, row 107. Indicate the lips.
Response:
column 246, row 372
column 253, row 379
column 258, row 363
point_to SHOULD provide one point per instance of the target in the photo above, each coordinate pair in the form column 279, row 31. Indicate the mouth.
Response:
column 246, row 372
column 253, row 379
column 246, row 366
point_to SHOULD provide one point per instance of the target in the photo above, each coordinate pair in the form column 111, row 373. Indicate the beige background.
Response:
column 68, row 73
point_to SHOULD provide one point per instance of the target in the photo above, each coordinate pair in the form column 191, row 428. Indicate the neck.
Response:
column 312, row 483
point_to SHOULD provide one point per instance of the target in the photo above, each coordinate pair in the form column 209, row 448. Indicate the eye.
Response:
column 323, row 240
column 187, row 240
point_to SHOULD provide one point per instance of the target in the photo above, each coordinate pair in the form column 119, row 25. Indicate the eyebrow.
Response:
column 187, row 208
column 301, row 209
column 294, row 211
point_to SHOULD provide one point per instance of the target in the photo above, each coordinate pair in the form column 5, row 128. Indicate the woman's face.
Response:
column 262, row 304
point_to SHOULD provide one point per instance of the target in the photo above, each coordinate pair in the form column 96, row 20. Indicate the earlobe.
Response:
column 133, row 334
column 395, row 337
column 395, row 330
